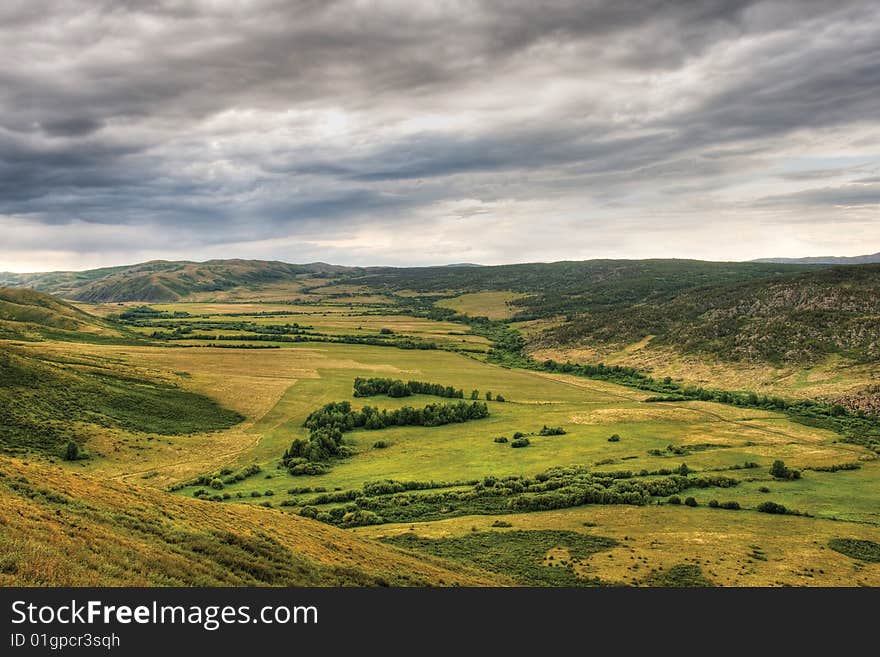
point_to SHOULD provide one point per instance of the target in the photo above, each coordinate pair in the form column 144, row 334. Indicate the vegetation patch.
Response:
column 519, row 554
column 683, row 575
column 862, row 550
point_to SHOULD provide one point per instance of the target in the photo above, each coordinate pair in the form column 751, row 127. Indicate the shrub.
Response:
column 217, row 484
column 683, row 470
column 780, row 471
column 386, row 331
column 500, row 439
column 499, row 398
column 308, row 512
column 518, row 434
column 615, row 438
column 690, row 501
column 256, row 493
column 71, row 453
column 551, row 431
column 501, row 523
column 381, row 444
column 269, row 493
column 772, row 507
column 732, row 506
column 713, row 504
column 763, row 489
column 675, row 499
column 520, row 442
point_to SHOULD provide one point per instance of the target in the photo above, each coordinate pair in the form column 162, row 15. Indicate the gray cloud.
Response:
column 251, row 121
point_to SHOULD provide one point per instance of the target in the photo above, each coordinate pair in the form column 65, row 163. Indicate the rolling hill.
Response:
column 569, row 288
column 30, row 315
column 798, row 318
column 161, row 280
column 63, row 529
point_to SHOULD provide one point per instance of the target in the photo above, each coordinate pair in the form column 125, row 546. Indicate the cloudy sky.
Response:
column 411, row 132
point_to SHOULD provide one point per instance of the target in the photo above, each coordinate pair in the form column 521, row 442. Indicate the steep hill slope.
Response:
column 801, row 319
column 30, row 315
column 62, row 529
column 162, row 280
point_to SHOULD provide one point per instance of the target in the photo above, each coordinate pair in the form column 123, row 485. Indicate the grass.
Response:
column 274, row 390
column 57, row 529
column 530, row 558
column 40, row 400
column 656, row 539
column 494, row 305
column 857, row 549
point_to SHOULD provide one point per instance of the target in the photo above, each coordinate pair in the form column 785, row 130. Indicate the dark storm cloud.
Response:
column 263, row 119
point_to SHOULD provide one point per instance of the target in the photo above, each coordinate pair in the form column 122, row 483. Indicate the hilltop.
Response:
column 65, row 529
column 826, row 260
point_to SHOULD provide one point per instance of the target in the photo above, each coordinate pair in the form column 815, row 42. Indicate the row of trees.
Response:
column 368, row 387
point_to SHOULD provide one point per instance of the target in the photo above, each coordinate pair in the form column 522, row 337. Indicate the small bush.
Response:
column 615, row 438
column 713, row 504
column 381, row 444
column 501, row 523
column 518, row 434
column 772, row 507
column 256, row 493
column 732, row 506
column 551, row 431
column 308, row 512
column 71, row 452
column 500, row 439
column 269, row 493
column 675, row 499
column 690, row 501
column 217, row 484
column 780, row 471
column 763, row 489
column 520, row 442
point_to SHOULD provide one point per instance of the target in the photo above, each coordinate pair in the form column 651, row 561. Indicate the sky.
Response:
column 416, row 133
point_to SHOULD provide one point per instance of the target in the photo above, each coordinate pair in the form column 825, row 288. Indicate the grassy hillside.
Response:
column 161, row 280
column 46, row 401
column 572, row 288
column 31, row 315
column 799, row 318
column 60, row 529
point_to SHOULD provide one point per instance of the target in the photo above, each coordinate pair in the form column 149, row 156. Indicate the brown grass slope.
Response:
column 161, row 280
column 28, row 314
column 63, row 529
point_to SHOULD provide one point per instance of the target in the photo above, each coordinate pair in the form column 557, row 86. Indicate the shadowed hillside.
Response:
column 62, row 529
column 46, row 401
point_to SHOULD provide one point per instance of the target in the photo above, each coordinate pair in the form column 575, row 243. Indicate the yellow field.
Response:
column 790, row 551
column 494, row 305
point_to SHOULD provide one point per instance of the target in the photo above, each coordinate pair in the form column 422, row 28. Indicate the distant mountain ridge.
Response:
column 825, row 260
